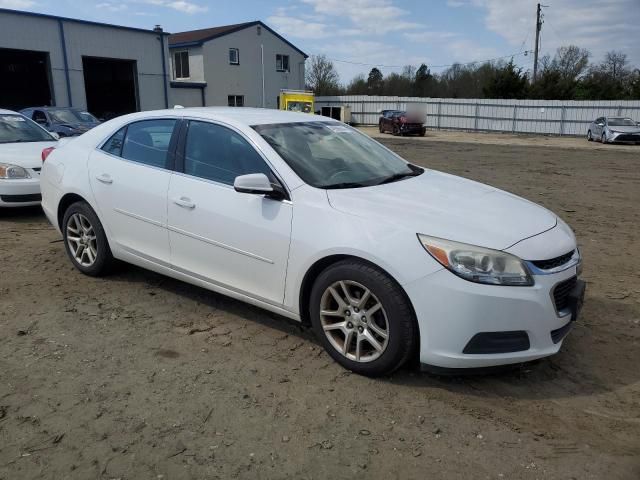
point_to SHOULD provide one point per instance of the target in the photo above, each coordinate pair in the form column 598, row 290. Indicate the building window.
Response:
column 236, row 100
column 282, row 63
column 181, row 64
column 234, row 56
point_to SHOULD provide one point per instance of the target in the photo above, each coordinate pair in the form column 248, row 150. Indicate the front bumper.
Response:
column 452, row 311
column 622, row 137
column 20, row 192
column 412, row 128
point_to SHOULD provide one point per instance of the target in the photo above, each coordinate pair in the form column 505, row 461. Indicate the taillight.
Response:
column 46, row 152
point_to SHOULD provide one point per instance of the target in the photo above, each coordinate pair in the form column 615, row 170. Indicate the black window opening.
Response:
column 181, row 64
column 234, row 56
column 25, row 80
column 282, row 63
column 111, row 86
column 235, row 100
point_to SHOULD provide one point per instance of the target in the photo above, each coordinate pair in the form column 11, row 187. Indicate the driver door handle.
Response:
column 184, row 202
column 105, row 178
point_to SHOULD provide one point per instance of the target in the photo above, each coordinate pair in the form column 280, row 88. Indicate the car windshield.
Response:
column 333, row 155
column 621, row 122
column 87, row 117
column 65, row 116
column 16, row 128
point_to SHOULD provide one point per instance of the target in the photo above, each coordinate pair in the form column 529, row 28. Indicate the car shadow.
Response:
column 582, row 367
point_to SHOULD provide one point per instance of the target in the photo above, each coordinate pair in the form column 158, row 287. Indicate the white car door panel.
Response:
column 132, row 196
column 236, row 240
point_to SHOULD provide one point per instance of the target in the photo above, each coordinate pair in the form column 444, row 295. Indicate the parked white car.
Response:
column 312, row 219
column 21, row 145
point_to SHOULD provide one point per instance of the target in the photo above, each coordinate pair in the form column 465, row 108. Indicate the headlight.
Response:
column 478, row 264
column 11, row 172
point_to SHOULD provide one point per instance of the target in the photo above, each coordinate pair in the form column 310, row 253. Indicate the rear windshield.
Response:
column 16, row 128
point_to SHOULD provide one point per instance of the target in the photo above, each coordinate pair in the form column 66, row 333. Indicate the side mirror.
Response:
column 258, row 184
column 55, row 135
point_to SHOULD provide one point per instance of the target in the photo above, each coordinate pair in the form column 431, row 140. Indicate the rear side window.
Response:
column 217, row 153
column 147, row 142
column 114, row 144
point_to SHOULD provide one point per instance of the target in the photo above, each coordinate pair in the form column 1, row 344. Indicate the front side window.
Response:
column 333, row 155
column 181, row 64
column 235, row 100
column 148, row 141
column 16, row 128
column 216, row 153
column 282, row 63
column 234, row 56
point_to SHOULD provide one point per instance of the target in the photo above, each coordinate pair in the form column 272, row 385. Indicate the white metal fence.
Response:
column 557, row 117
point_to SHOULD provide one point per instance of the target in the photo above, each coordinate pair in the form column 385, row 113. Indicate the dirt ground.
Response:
column 137, row 376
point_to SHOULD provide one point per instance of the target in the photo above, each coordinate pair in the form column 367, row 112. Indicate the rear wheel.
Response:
column 363, row 318
column 85, row 241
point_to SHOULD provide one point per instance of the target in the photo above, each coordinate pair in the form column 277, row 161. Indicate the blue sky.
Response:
column 387, row 33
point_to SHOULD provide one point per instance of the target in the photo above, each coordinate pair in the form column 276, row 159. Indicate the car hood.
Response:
column 24, row 154
column 450, row 207
column 625, row 129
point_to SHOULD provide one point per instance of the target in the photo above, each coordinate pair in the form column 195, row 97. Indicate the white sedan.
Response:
column 311, row 219
column 21, row 145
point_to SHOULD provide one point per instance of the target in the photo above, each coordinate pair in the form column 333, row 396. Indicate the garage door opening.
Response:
column 24, row 79
column 110, row 86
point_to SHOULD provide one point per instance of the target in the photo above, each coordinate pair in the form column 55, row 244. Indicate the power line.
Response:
column 524, row 52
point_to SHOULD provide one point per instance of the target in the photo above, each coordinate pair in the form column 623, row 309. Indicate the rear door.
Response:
column 235, row 240
column 129, row 177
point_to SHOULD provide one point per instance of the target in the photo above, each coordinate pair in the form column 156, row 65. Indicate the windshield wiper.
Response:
column 345, row 185
column 399, row 176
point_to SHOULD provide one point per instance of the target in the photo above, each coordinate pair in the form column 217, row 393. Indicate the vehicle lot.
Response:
column 140, row 376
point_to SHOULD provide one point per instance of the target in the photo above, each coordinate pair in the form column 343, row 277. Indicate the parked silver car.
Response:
column 614, row 130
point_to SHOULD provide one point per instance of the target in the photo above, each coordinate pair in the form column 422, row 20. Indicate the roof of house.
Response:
column 77, row 20
column 198, row 37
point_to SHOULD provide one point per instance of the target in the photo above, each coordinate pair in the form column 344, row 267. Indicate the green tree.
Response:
column 375, row 82
column 509, row 82
column 358, row 86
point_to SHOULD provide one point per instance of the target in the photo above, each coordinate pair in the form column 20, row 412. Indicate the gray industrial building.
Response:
column 106, row 69
column 234, row 65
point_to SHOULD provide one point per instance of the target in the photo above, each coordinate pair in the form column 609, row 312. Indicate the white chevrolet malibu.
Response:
column 309, row 218
column 21, row 145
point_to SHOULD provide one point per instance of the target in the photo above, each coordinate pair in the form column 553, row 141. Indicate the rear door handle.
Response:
column 184, row 202
column 104, row 178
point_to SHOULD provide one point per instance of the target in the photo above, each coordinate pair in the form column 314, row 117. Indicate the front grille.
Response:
column 35, row 197
column 553, row 262
column 36, row 169
column 561, row 293
column 628, row 137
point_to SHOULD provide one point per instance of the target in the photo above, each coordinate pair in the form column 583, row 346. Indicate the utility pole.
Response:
column 538, row 28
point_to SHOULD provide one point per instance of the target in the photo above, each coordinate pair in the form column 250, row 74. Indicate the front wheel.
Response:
column 589, row 136
column 363, row 318
column 85, row 241
column 380, row 127
column 603, row 139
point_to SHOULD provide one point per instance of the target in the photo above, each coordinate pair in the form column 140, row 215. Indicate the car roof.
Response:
column 8, row 112
column 243, row 115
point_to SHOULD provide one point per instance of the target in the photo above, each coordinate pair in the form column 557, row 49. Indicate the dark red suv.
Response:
column 399, row 122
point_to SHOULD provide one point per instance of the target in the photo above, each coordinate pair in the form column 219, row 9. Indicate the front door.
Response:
column 130, row 177
column 235, row 240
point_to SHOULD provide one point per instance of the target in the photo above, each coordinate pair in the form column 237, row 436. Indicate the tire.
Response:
column 589, row 136
column 395, row 131
column 603, row 139
column 380, row 127
column 90, row 253
column 423, row 132
column 386, row 311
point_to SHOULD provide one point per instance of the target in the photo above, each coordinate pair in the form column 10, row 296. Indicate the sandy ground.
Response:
column 137, row 376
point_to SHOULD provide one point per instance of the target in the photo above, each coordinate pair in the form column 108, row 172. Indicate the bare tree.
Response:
column 322, row 76
column 570, row 62
column 615, row 64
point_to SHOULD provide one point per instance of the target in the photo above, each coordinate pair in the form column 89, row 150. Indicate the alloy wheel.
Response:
column 81, row 239
column 354, row 321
